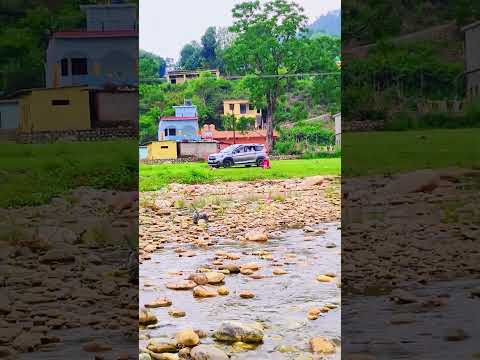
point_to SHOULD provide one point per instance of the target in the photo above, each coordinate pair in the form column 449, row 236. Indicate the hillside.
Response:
column 329, row 24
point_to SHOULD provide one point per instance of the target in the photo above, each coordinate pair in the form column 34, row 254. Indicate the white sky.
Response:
column 167, row 25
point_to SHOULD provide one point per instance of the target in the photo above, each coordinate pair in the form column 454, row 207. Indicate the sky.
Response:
column 167, row 25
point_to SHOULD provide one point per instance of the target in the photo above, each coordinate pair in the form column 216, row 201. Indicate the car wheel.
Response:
column 227, row 163
column 260, row 162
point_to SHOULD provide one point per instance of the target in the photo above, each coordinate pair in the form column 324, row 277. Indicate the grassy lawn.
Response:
column 33, row 174
column 154, row 177
column 393, row 152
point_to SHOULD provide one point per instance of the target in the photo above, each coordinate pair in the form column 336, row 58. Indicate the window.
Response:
column 164, row 147
column 64, row 67
column 170, row 132
column 251, row 107
column 60, row 102
column 243, row 108
column 232, row 107
column 258, row 148
column 79, row 66
column 173, row 81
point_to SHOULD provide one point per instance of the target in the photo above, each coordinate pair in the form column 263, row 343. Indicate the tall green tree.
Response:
column 191, row 56
column 209, row 47
column 151, row 65
column 268, row 47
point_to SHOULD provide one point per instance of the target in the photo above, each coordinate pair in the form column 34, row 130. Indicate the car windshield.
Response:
column 229, row 148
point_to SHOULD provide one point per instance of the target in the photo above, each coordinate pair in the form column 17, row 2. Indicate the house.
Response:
column 472, row 59
column 338, row 128
column 180, row 76
column 68, row 108
column 181, row 127
column 242, row 108
column 106, row 52
column 162, row 150
column 59, row 109
column 226, row 138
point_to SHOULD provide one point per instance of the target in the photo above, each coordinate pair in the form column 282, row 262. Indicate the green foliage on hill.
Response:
column 151, row 66
column 304, row 138
column 395, row 78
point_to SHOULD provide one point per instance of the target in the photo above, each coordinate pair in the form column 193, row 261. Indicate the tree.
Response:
column 268, row 47
column 151, row 65
column 191, row 56
column 209, row 47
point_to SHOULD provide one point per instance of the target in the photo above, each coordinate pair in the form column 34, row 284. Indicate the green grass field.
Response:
column 33, row 174
column 394, row 152
column 154, row 177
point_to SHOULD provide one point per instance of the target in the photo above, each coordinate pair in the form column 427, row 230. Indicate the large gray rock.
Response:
column 207, row 352
column 231, row 331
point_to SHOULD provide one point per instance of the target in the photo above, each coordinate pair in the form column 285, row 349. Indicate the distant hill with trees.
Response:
column 329, row 24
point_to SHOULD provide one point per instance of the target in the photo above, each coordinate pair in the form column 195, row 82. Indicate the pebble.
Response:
column 246, row 295
column 162, row 302
column 176, row 313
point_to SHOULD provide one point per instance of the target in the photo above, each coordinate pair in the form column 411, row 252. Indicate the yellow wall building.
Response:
column 159, row 150
column 239, row 108
column 56, row 109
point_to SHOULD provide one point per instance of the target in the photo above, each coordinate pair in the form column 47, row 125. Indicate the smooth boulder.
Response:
column 232, row 331
column 207, row 352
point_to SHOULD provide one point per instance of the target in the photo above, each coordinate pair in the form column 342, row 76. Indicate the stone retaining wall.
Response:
column 355, row 126
column 77, row 135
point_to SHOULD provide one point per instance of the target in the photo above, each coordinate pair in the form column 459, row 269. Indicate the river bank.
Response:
column 264, row 261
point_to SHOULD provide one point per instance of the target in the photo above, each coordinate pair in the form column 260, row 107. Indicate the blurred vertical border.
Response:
column 69, row 179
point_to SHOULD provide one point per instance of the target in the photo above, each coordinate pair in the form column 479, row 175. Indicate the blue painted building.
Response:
column 104, row 53
column 181, row 127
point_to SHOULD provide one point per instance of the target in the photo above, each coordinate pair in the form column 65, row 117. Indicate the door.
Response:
column 239, row 155
column 250, row 155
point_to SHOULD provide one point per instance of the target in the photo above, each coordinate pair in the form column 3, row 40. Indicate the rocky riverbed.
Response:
column 65, row 287
column 411, row 265
column 258, row 277
column 418, row 227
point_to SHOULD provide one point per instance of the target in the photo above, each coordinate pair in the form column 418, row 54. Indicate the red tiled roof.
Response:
column 179, row 118
column 95, row 34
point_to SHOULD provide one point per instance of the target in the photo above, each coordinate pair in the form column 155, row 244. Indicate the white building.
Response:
column 472, row 59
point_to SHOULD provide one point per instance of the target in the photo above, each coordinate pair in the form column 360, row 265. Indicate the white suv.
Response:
column 239, row 154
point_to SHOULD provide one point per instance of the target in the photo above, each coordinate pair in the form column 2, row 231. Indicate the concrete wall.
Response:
column 236, row 109
column 9, row 115
column 338, row 129
column 117, row 107
column 198, row 149
column 142, row 152
column 37, row 113
column 162, row 150
column 186, row 130
column 109, row 60
column 111, row 17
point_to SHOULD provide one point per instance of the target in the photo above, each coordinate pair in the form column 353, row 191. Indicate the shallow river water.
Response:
column 281, row 302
